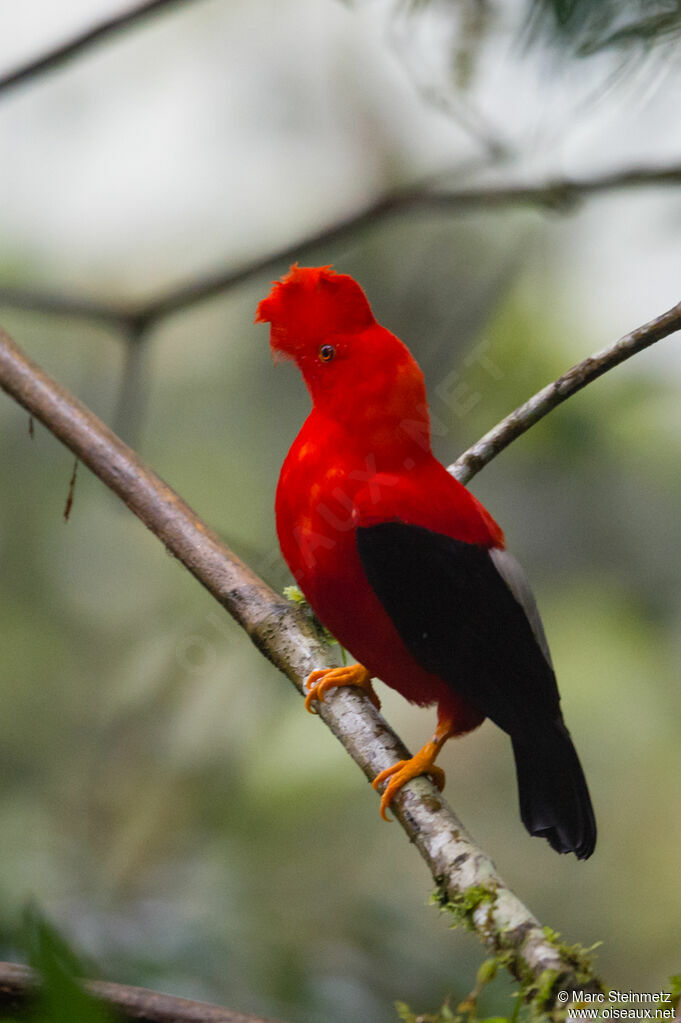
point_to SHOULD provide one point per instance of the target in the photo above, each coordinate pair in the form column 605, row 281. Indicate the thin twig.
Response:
column 489, row 446
column 83, row 40
column 72, row 492
column 561, row 193
column 19, row 985
column 419, row 197
column 464, row 874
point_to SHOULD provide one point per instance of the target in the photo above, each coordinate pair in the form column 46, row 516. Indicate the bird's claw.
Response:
column 402, row 772
column 319, row 682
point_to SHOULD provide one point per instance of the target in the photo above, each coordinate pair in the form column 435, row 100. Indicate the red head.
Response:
column 356, row 371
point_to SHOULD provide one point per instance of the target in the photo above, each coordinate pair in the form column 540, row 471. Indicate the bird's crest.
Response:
column 310, row 303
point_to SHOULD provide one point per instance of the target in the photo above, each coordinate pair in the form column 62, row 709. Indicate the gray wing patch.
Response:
column 516, row 580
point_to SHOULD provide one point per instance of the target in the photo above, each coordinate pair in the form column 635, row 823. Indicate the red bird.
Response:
column 403, row 565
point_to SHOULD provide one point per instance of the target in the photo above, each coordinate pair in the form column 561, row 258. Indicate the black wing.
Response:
column 467, row 615
column 459, row 619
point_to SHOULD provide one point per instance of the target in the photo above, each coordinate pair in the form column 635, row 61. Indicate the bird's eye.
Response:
column 326, row 353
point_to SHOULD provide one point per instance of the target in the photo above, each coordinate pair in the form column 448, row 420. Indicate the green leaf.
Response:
column 61, row 998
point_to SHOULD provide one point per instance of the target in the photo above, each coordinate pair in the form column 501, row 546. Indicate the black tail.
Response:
column 554, row 798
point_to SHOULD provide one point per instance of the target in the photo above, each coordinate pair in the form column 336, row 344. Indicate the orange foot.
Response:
column 319, row 682
column 422, row 762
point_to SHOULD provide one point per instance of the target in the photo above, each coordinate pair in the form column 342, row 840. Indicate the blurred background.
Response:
column 164, row 798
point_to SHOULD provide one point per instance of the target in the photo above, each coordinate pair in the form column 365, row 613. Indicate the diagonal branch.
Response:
column 82, row 41
column 466, row 877
column 223, row 279
column 514, row 425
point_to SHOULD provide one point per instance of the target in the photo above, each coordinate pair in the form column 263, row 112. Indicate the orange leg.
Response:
column 319, row 682
column 422, row 762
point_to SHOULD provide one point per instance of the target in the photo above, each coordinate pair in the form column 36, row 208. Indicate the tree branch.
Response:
column 419, row 197
column 488, row 447
column 465, row 876
column 19, row 985
column 84, row 40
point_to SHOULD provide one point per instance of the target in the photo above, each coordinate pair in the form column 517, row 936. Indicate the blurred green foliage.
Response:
column 164, row 798
column 587, row 26
column 578, row 27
